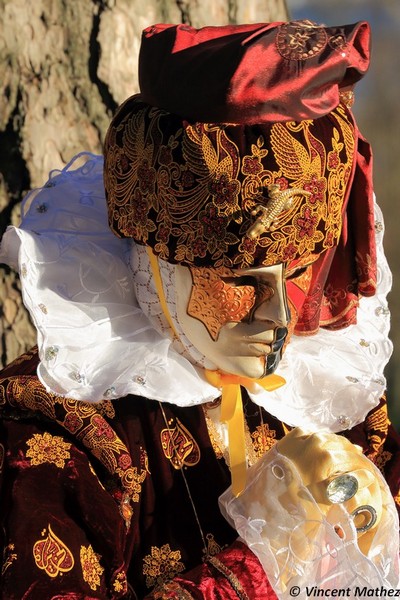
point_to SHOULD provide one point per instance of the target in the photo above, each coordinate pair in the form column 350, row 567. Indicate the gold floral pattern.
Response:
column 161, row 565
column 120, row 583
column 263, row 439
column 52, row 555
column 87, row 423
column 47, row 448
column 9, row 556
column 91, row 568
column 188, row 190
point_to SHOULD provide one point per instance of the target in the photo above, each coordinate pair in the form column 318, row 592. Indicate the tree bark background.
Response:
column 65, row 66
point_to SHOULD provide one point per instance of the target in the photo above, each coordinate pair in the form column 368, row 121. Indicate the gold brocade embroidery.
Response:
column 188, row 190
column 377, row 425
column 172, row 591
column 212, row 548
column 263, row 439
column 91, row 568
column 230, row 576
column 162, row 565
column 179, row 446
column 9, row 556
column 301, row 40
column 120, row 583
column 106, row 408
column 86, row 422
column 52, row 555
column 47, row 448
column 381, row 459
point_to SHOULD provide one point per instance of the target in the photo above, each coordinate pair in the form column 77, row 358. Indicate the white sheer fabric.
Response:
column 96, row 342
column 303, row 556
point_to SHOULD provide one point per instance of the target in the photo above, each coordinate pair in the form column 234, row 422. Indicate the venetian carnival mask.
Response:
column 237, row 318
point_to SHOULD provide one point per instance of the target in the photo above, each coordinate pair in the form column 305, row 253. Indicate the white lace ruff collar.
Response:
column 96, row 342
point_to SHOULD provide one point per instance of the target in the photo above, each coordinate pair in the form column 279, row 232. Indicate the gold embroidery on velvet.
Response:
column 91, row 568
column 29, row 393
column 300, row 40
column 172, row 591
column 179, row 446
column 47, row 448
column 84, row 421
column 120, row 583
column 212, row 547
column 106, row 408
column 161, row 565
column 230, row 576
column 381, row 459
column 9, row 556
column 263, row 439
column 377, row 424
column 199, row 196
column 52, row 555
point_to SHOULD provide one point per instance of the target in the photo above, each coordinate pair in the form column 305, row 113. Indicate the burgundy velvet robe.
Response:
column 95, row 504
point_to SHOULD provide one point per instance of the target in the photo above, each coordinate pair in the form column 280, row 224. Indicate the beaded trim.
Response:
column 230, row 576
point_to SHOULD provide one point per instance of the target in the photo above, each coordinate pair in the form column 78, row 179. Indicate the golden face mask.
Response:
column 221, row 296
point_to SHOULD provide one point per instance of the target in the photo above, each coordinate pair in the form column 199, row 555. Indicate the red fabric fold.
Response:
column 347, row 271
column 251, row 73
column 235, row 573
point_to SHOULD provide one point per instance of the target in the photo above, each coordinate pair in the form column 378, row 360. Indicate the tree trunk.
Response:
column 65, row 66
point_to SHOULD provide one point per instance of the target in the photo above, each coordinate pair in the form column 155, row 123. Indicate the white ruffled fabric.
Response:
column 96, row 342
column 296, row 542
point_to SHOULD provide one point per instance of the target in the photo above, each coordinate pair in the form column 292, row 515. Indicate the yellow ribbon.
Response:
column 155, row 268
column 232, row 415
column 232, row 405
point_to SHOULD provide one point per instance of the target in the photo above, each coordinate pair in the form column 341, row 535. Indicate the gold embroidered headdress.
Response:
column 290, row 188
column 233, row 195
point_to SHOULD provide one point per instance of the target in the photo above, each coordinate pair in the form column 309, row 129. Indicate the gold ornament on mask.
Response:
column 278, row 202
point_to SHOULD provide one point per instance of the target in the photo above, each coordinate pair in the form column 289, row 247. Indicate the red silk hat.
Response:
column 212, row 194
column 251, row 73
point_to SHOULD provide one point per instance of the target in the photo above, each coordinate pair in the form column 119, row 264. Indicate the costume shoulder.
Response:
column 21, row 390
column 24, row 365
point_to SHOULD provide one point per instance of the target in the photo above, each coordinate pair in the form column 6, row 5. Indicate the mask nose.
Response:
column 273, row 308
